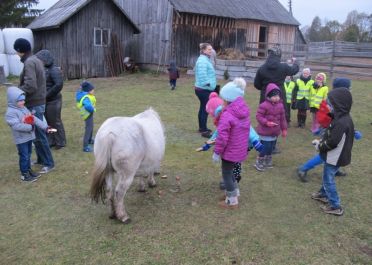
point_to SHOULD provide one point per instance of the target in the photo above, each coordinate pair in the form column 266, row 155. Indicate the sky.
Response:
column 303, row 10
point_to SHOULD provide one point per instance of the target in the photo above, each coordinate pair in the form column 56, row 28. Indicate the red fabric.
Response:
column 322, row 115
column 29, row 119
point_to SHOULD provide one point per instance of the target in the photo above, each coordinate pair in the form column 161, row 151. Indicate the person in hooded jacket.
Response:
column 335, row 149
column 53, row 107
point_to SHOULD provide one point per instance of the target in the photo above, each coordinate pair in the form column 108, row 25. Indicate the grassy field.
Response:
column 53, row 221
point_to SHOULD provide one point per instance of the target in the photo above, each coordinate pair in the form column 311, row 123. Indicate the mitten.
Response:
column 205, row 147
column 284, row 133
column 216, row 158
column 358, row 135
column 29, row 119
column 271, row 124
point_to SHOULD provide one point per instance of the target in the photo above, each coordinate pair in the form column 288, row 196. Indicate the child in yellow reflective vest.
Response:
column 86, row 103
column 289, row 85
column 301, row 96
column 318, row 93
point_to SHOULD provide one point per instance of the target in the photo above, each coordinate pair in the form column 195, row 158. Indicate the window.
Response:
column 101, row 37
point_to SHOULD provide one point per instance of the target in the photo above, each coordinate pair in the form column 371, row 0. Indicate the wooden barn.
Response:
column 173, row 29
column 80, row 34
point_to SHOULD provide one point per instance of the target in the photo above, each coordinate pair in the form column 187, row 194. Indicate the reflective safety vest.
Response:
column 304, row 89
column 317, row 95
column 83, row 112
column 288, row 90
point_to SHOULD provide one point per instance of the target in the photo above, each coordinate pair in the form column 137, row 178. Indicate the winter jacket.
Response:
column 337, row 142
column 269, row 111
column 86, row 103
column 14, row 115
column 322, row 116
column 32, row 81
column 54, row 79
column 205, row 76
column 273, row 71
column 233, row 129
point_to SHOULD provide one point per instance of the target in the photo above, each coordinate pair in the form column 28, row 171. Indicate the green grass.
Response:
column 53, row 221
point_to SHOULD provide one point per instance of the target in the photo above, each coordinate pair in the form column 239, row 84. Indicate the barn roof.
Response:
column 61, row 11
column 263, row 10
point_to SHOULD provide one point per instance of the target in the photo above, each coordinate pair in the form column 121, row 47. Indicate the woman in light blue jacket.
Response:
column 205, row 83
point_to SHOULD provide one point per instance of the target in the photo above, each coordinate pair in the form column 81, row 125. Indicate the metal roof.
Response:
column 263, row 10
column 61, row 11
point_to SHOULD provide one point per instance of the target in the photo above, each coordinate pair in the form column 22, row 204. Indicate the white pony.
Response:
column 126, row 147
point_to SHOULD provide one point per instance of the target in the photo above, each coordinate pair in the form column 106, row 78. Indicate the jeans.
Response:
column 311, row 163
column 24, row 153
column 231, row 185
column 268, row 147
column 88, row 134
column 43, row 153
column 203, row 96
column 328, row 188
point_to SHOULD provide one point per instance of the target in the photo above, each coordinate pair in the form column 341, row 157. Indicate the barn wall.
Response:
column 154, row 18
column 73, row 44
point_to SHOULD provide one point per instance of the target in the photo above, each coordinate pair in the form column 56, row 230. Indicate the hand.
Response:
column 210, row 142
column 216, row 158
column 51, row 130
column 358, row 135
column 271, row 124
column 284, row 133
column 29, row 119
column 315, row 143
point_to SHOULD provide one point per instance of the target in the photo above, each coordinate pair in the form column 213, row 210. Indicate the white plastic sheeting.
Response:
column 15, row 64
column 2, row 44
column 11, row 34
column 4, row 62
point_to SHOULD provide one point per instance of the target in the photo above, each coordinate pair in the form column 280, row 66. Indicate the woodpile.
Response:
column 114, row 57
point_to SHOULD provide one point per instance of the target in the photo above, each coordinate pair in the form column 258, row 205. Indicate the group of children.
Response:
column 234, row 136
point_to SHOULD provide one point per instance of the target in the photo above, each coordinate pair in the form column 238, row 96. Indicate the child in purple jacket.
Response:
column 271, row 122
column 232, row 141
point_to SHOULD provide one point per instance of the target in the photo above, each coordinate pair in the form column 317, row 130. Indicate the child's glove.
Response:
column 51, row 130
column 358, row 135
column 205, row 147
column 29, row 119
column 257, row 145
column 216, row 158
column 315, row 143
column 271, row 124
column 284, row 133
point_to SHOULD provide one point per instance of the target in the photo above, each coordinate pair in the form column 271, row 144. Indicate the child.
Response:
column 289, row 85
column 174, row 74
column 271, row 122
column 318, row 93
column 86, row 102
column 22, row 124
column 335, row 148
column 301, row 96
column 232, row 141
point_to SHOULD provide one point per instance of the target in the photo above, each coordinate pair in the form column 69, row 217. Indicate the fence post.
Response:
column 332, row 59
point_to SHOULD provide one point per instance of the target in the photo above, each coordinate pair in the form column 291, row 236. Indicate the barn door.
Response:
column 262, row 41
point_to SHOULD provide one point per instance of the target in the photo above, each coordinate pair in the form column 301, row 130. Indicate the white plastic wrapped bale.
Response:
column 11, row 34
column 15, row 64
column 2, row 45
column 4, row 63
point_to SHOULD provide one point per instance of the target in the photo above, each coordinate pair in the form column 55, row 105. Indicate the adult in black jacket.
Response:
column 273, row 71
column 54, row 84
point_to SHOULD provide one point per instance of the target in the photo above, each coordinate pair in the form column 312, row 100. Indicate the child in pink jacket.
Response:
column 232, row 141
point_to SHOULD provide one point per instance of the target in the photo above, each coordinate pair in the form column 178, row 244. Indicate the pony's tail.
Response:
column 102, row 167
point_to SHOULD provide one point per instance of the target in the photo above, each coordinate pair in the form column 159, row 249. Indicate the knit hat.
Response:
column 86, row 86
column 213, row 103
column 232, row 90
column 321, row 77
column 22, row 45
column 306, row 70
column 275, row 51
column 274, row 92
column 21, row 97
column 341, row 82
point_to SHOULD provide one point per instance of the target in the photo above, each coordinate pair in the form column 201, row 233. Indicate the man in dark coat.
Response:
column 273, row 71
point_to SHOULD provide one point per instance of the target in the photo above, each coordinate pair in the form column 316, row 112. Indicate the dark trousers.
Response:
column 288, row 112
column 88, row 134
column 173, row 82
column 301, row 117
column 268, row 147
column 203, row 96
column 53, row 117
column 43, row 153
column 24, row 153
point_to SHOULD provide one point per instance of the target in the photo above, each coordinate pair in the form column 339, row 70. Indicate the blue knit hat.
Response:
column 232, row 90
column 86, row 86
column 341, row 82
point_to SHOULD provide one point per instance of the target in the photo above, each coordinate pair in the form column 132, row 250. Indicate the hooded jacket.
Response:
column 54, row 79
column 273, row 71
column 32, row 80
column 233, row 129
column 337, row 142
column 269, row 111
column 14, row 115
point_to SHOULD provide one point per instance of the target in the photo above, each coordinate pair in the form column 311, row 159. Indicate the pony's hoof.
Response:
column 126, row 221
column 152, row 185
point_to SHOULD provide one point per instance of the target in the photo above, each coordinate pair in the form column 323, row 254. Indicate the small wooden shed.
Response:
column 79, row 33
column 173, row 29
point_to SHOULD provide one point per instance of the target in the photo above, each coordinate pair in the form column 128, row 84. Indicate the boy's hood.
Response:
column 80, row 94
column 341, row 101
column 46, row 57
column 12, row 95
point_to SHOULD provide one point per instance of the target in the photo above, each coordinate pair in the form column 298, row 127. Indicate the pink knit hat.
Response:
column 213, row 103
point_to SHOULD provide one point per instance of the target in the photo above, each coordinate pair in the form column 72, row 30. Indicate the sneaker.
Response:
column 26, row 177
column 34, row 174
column 268, row 162
column 302, row 175
column 88, row 149
column 206, row 134
column 259, row 165
column 340, row 173
column 319, row 197
column 332, row 210
column 229, row 203
column 45, row 170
